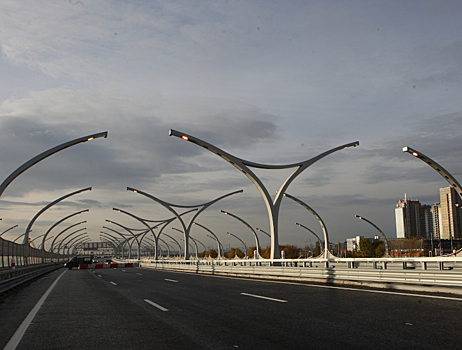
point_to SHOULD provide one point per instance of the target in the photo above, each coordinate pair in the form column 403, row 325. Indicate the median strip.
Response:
column 155, row 305
column 262, row 297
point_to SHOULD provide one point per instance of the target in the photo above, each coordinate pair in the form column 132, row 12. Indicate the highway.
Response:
column 136, row 308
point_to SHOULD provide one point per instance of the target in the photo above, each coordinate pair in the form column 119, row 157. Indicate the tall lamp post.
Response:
column 327, row 254
column 245, row 247
column 306, row 228
column 257, row 241
column 220, row 253
column 244, row 166
column 387, row 255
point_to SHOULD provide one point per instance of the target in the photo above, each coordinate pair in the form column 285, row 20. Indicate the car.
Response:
column 78, row 260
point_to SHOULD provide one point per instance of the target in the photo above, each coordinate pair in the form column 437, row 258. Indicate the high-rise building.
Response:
column 407, row 216
column 450, row 214
column 426, row 221
column 436, row 213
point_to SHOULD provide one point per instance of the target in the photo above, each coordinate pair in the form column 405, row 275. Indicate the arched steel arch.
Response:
column 326, row 254
column 244, row 166
column 170, row 207
column 46, row 154
column 443, row 172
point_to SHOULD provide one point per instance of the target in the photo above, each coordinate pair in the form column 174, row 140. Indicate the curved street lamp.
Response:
column 443, row 172
column 67, row 244
column 220, row 253
column 46, row 154
column 26, row 237
column 266, row 233
column 257, row 241
column 170, row 207
column 381, row 232
column 244, row 166
column 245, row 247
column 327, row 254
column 319, row 239
column 12, row 227
column 218, row 244
column 59, row 234
column 174, row 240
column 70, row 234
column 58, row 222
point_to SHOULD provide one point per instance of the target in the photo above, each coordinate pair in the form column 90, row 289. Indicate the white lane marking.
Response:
column 123, row 270
column 100, row 276
column 262, row 297
column 139, row 274
column 115, row 284
column 156, row 305
column 170, row 280
column 17, row 336
column 333, row 287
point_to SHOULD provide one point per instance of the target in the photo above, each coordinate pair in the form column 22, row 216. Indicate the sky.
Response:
column 270, row 82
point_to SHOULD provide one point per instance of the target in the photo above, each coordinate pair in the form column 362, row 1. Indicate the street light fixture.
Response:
column 327, row 253
column 46, row 154
column 387, row 255
column 257, row 241
column 306, row 228
column 245, row 247
column 443, row 172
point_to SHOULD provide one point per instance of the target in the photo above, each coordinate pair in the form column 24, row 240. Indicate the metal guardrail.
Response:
column 382, row 273
column 10, row 279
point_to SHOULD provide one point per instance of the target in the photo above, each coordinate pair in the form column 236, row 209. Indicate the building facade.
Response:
column 450, row 214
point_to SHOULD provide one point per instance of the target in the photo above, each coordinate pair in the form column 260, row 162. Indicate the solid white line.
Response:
column 115, row 284
column 156, row 305
column 262, row 297
column 17, row 336
column 170, row 280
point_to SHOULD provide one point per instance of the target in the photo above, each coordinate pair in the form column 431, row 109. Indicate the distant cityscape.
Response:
column 436, row 221
column 425, row 229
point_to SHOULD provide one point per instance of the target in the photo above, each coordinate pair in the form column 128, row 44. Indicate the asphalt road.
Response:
column 135, row 308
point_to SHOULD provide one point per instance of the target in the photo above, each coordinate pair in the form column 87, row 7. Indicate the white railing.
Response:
column 383, row 273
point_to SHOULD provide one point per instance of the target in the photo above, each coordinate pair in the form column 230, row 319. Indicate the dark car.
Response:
column 78, row 260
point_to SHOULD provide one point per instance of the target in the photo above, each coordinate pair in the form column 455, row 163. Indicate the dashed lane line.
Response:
column 267, row 298
column 155, row 305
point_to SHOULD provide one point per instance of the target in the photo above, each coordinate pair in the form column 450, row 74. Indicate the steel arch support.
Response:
column 243, row 166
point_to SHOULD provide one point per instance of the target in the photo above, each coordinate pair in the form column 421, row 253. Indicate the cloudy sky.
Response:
column 272, row 82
